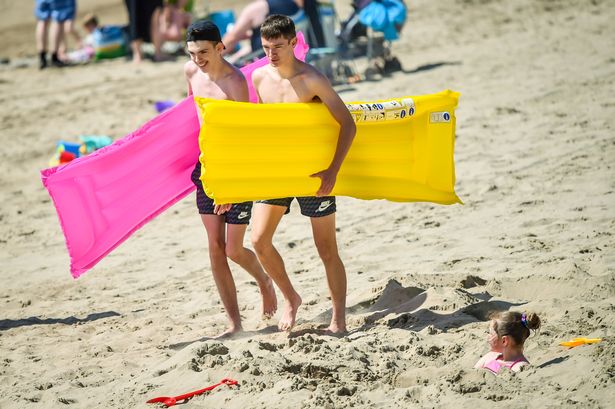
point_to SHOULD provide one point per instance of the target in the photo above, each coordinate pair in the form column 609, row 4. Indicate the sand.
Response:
column 535, row 166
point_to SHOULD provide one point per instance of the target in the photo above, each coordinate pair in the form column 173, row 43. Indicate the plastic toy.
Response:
column 172, row 401
column 580, row 341
column 91, row 143
column 162, row 106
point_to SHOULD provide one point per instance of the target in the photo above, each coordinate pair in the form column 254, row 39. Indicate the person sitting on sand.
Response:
column 249, row 22
column 107, row 41
column 90, row 23
column 507, row 334
column 210, row 76
column 169, row 23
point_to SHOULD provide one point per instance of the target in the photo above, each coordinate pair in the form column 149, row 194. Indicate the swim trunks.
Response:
column 311, row 206
column 57, row 10
column 240, row 213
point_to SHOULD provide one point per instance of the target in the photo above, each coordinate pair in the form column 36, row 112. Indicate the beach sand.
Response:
column 535, row 156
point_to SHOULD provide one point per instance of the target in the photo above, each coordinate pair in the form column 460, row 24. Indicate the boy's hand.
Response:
column 221, row 209
column 328, row 178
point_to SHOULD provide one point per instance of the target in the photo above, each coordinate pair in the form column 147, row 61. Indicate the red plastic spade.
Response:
column 171, row 401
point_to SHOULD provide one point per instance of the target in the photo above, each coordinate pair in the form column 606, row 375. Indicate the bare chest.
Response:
column 203, row 87
column 273, row 90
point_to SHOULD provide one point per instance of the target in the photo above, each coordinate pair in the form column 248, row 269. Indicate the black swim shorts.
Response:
column 311, row 206
column 240, row 213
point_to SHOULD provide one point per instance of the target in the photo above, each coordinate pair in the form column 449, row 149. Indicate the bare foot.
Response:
column 336, row 328
column 137, row 58
column 229, row 333
column 287, row 322
column 270, row 301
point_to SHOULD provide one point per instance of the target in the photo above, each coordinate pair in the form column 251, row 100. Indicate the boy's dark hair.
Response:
column 515, row 324
column 278, row 26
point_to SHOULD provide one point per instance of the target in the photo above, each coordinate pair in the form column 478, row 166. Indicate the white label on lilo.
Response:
column 439, row 117
column 382, row 111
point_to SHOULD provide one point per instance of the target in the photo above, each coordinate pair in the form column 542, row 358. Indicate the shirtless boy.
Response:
column 210, row 76
column 287, row 79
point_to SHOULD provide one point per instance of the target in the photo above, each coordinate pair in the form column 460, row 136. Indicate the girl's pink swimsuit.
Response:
column 494, row 365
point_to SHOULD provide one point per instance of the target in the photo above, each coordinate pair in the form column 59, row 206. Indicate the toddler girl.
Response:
column 507, row 333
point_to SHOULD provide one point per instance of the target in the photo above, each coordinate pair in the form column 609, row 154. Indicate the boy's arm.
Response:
column 321, row 87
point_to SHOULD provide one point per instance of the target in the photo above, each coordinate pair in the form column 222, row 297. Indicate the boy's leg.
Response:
column 265, row 221
column 321, row 211
column 137, row 54
column 56, row 33
column 236, row 251
column 220, row 269
column 156, row 34
column 42, row 27
column 323, row 229
column 42, row 11
column 68, row 29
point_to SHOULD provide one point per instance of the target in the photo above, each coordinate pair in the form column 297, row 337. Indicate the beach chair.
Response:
column 326, row 53
column 370, row 30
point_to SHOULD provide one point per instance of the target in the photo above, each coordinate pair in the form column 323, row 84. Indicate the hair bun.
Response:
column 533, row 321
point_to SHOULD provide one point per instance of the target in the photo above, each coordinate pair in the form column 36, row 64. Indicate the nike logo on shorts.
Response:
column 323, row 206
column 242, row 215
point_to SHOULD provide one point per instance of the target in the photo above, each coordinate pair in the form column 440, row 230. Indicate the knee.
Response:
column 234, row 252
column 261, row 243
column 217, row 249
column 327, row 251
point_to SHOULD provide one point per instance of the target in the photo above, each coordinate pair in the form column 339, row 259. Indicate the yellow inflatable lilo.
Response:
column 403, row 149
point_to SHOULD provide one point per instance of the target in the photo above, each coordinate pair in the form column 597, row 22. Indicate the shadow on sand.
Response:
column 10, row 324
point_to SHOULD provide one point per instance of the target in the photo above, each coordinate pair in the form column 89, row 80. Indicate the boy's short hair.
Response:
column 90, row 19
column 276, row 26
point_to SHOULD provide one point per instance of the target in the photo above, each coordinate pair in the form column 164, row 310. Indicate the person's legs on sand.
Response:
column 137, row 54
column 236, row 251
column 56, row 33
column 323, row 229
column 42, row 27
column 221, row 271
column 265, row 221
column 157, row 33
column 68, row 30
